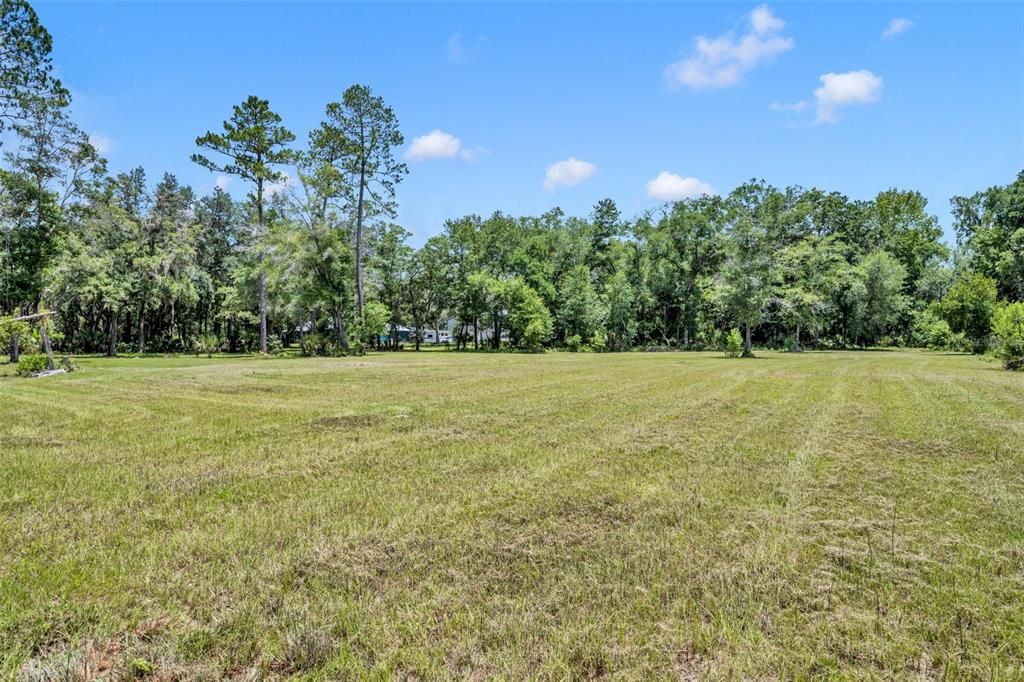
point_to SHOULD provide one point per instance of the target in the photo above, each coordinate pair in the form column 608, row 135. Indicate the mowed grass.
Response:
column 468, row 516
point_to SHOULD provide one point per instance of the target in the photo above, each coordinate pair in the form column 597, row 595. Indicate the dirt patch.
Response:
column 346, row 422
column 11, row 442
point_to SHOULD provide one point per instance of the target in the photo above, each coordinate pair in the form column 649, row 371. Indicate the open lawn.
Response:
column 444, row 515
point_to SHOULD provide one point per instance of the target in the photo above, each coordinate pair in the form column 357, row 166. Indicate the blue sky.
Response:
column 622, row 92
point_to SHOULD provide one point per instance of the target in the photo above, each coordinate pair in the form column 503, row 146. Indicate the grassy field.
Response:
column 443, row 515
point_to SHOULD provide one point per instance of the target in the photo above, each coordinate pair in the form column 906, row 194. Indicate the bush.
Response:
column 140, row 667
column 535, row 334
column 1008, row 327
column 931, row 331
column 208, row 345
column 575, row 344
column 733, row 344
column 31, row 364
column 311, row 345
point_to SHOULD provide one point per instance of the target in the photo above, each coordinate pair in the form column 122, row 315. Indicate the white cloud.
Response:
column 897, row 26
column 223, row 181
column 721, row 62
column 567, row 173
column 671, row 187
column 794, row 106
column 273, row 188
column 102, row 143
column 763, row 21
column 436, row 144
column 843, row 89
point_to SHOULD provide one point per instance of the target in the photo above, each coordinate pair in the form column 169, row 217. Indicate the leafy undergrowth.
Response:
column 469, row 516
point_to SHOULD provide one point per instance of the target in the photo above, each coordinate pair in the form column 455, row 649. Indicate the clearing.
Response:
column 456, row 515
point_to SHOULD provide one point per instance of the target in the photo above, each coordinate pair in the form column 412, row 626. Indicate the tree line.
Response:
column 313, row 256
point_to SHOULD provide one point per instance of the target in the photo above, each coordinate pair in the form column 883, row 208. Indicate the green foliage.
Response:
column 580, row 311
column 140, row 668
column 621, row 323
column 354, row 154
column 733, row 344
column 10, row 327
column 374, row 323
column 990, row 230
column 529, row 321
column 882, row 301
column 1008, row 327
column 253, row 142
column 207, row 345
column 931, row 331
column 904, row 229
column 968, row 307
column 25, row 69
column 31, row 364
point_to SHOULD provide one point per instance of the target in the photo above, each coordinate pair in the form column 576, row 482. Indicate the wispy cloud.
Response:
column 721, row 62
column 567, row 173
column 457, row 51
column 795, row 107
column 897, row 26
column 101, row 143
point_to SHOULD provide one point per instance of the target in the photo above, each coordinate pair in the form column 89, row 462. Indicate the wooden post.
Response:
column 43, row 324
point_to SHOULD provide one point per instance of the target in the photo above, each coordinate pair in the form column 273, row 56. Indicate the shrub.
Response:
column 733, row 344
column 535, row 334
column 1008, row 327
column 931, row 331
column 31, row 364
column 968, row 308
column 575, row 344
column 207, row 344
column 140, row 667
column 311, row 345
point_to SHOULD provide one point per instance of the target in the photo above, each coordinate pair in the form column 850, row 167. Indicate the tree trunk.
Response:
column 797, row 347
column 262, row 306
column 747, row 348
column 476, row 332
column 112, row 336
column 142, row 327
column 359, row 241
column 15, row 347
column 339, row 323
column 263, row 276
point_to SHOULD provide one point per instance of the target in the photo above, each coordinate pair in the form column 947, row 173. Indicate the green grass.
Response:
column 444, row 515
